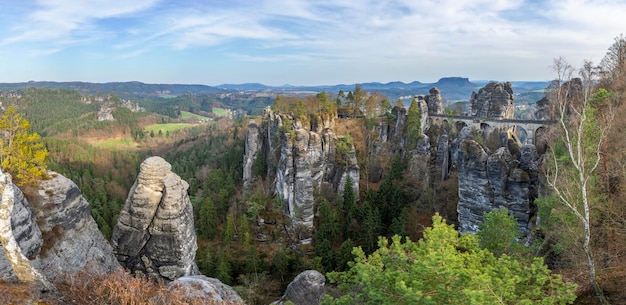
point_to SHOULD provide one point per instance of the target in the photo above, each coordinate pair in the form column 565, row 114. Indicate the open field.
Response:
column 221, row 111
column 116, row 143
column 169, row 127
column 187, row 115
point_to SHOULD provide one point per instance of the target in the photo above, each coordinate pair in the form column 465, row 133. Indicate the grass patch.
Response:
column 169, row 127
column 187, row 115
column 115, row 143
column 221, row 111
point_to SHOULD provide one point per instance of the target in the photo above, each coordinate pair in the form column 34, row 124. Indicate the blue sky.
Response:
column 299, row 42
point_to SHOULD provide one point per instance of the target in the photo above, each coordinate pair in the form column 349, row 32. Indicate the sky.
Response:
column 299, row 42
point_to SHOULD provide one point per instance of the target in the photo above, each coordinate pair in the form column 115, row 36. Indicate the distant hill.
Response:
column 452, row 89
column 246, row 86
column 129, row 90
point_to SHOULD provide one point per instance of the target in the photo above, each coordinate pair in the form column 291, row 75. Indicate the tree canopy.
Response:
column 22, row 153
column 446, row 268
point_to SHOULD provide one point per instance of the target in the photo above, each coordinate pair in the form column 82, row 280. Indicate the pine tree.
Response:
column 207, row 218
column 413, row 124
column 22, row 154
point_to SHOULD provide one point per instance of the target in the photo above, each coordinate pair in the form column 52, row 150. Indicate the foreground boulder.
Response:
column 202, row 287
column 306, row 289
column 155, row 230
column 51, row 233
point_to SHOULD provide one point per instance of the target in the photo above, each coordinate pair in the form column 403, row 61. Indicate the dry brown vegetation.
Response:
column 117, row 288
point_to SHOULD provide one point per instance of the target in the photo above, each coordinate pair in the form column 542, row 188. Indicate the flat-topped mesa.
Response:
column 155, row 230
column 495, row 100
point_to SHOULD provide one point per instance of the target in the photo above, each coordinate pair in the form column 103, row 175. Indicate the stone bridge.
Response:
column 526, row 130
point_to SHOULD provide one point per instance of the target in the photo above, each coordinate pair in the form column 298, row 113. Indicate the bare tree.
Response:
column 572, row 172
column 614, row 62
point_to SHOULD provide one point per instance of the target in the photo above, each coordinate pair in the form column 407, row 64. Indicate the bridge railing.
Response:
column 479, row 119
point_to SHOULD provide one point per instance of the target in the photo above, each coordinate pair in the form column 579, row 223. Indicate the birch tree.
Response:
column 576, row 155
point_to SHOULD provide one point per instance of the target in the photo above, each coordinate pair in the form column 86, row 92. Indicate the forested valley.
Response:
column 393, row 240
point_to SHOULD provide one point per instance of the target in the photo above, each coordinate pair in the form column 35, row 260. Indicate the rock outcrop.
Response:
column 434, row 101
column 253, row 145
column 105, row 114
column 490, row 181
column 72, row 241
column 205, row 288
column 306, row 289
column 53, row 230
column 495, row 100
column 155, row 231
column 303, row 160
column 19, row 235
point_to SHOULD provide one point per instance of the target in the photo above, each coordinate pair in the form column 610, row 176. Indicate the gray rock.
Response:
column 105, row 114
column 434, row 101
column 206, row 288
column 19, row 235
column 495, row 100
column 253, row 145
column 304, row 162
column 155, row 230
column 55, row 232
column 72, row 241
column 306, row 289
column 490, row 181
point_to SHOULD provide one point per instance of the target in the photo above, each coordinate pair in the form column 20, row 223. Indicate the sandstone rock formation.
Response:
column 72, row 241
column 489, row 181
column 306, row 289
column 19, row 235
column 253, row 145
column 434, row 101
column 202, row 287
column 495, row 100
column 105, row 114
column 303, row 160
column 155, row 230
column 52, row 231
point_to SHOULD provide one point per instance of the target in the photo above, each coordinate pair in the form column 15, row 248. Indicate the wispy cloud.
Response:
column 63, row 21
column 503, row 36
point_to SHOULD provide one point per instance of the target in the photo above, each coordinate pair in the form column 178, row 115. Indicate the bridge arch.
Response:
column 521, row 133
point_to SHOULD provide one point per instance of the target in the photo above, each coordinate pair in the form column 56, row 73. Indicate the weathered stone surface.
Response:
column 495, row 100
column 434, row 101
column 155, row 231
column 253, row 145
column 489, row 181
column 72, row 241
column 55, row 231
column 200, row 286
column 306, row 289
column 443, row 157
column 542, row 111
column 304, row 161
column 19, row 235
column 105, row 114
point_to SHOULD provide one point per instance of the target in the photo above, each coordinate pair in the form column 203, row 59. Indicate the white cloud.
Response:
column 55, row 21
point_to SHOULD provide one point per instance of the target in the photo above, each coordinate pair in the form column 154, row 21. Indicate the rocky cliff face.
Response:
column 302, row 160
column 155, row 230
column 495, row 100
column 490, row 181
column 434, row 101
column 50, row 234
